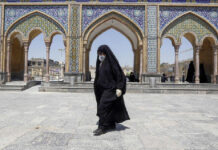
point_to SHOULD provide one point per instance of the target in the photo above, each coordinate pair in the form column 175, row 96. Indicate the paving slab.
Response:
column 32, row 120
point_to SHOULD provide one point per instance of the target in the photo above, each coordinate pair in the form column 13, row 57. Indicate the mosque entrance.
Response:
column 16, row 56
column 19, row 37
column 120, row 23
column 202, row 37
column 145, row 25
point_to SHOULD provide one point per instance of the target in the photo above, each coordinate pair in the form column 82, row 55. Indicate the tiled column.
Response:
column 8, row 61
column 66, row 61
column 197, row 65
column 87, row 63
column 26, row 49
column 138, row 63
column 194, row 57
column 84, row 63
column 48, row 44
column 87, row 60
column 215, row 49
column 176, row 63
column 141, row 61
column 134, row 61
column 152, row 39
column 1, row 53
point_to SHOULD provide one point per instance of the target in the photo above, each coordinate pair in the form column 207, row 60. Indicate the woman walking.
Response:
column 109, row 88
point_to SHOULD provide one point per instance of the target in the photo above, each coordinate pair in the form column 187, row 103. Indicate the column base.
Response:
column 152, row 79
column 47, row 78
column 197, row 81
column 216, row 79
column 3, row 77
column 72, row 77
column 176, row 80
column 8, row 77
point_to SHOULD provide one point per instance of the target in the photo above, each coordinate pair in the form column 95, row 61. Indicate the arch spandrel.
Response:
column 16, row 12
column 168, row 14
column 189, row 24
column 92, row 12
column 36, row 21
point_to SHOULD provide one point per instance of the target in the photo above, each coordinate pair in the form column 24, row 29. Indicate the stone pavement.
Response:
column 31, row 120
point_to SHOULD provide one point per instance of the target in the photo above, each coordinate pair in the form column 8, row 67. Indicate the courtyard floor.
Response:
column 31, row 120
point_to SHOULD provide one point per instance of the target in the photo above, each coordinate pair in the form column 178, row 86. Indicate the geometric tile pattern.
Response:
column 74, row 39
column 36, row 20
column 13, row 13
column 152, row 39
column 0, row 36
column 189, row 22
column 115, row 14
column 134, row 13
column 0, row 18
column 167, row 14
column 153, row 1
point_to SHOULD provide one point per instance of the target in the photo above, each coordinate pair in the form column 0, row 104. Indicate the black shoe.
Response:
column 95, row 130
column 99, row 132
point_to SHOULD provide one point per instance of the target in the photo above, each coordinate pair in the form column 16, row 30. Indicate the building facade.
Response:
column 145, row 23
column 37, row 69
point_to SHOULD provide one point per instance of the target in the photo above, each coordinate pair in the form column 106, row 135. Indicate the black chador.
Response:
column 203, row 77
column 109, row 88
column 191, row 72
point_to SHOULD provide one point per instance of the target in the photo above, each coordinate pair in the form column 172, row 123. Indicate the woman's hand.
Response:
column 118, row 92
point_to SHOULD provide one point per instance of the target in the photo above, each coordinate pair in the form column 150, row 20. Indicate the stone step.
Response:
column 66, row 89
column 135, row 84
column 134, row 90
column 17, row 85
column 134, row 87
column 11, row 88
column 159, row 85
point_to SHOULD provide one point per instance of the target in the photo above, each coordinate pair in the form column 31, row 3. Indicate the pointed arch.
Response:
column 116, row 16
column 190, row 36
column 34, row 33
column 41, row 17
column 50, row 38
column 14, row 33
column 15, row 59
column 171, row 37
column 189, row 12
column 192, row 23
column 134, row 46
column 211, row 38
column 118, row 22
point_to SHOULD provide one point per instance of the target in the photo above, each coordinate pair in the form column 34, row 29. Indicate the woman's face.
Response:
column 101, row 56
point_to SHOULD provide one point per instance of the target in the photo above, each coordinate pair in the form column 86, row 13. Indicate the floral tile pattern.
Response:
column 74, row 39
column 36, row 21
column 191, row 23
column 167, row 14
column 13, row 13
column 135, row 13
